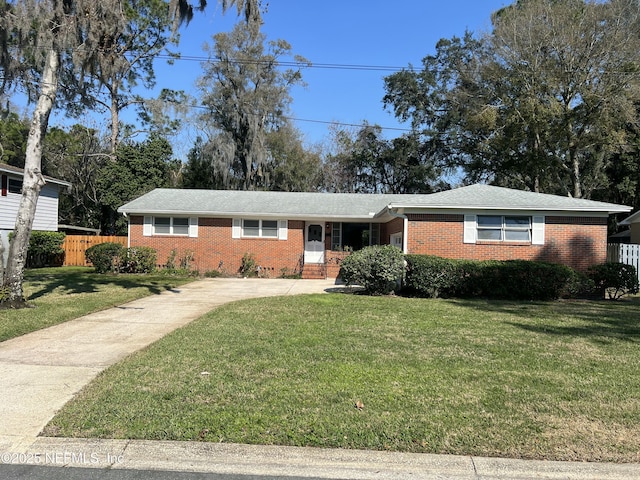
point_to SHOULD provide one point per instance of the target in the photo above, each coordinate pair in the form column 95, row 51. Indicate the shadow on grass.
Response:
column 600, row 321
column 73, row 281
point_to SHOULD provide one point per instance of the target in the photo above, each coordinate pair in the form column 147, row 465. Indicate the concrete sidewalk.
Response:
column 274, row 462
column 41, row 371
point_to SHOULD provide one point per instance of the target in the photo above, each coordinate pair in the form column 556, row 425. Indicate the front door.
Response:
column 314, row 243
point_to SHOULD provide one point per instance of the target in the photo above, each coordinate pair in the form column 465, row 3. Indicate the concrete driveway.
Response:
column 43, row 370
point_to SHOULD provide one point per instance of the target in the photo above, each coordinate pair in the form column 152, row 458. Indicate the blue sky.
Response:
column 341, row 32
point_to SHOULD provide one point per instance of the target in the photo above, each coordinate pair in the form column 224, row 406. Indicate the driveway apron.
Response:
column 43, row 370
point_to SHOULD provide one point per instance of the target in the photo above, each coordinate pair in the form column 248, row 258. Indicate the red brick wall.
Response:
column 387, row 229
column 214, row 247
column 575, row 241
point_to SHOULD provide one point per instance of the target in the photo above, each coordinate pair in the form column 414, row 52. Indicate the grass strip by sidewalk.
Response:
column 61, row 294
column 554, row 380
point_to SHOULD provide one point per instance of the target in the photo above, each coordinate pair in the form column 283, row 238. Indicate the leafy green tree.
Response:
column 373, row 164
column 43, row 43
column 291, row 167
column 76, row 155
column 139, row 169
column 246, row 95
column 542, row 102
column 13, row 139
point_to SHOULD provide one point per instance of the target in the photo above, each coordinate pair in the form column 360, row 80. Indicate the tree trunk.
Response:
column 32, row 182
column 115, row 119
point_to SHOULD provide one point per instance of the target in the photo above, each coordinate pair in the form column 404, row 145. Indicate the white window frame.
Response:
column 502, row 228
column 149, row 226
column 238, row 228
column 536, row 229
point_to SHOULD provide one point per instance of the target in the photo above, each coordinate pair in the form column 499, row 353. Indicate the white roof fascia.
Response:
column 274, row 216
column 451, row 209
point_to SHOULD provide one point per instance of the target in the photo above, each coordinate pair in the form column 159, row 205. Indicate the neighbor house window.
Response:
column 170, row 226
column 14, row 186
column 504, row 228
column 260, row 228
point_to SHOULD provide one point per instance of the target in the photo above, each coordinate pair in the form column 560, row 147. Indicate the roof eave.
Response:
column 48, row 179
column 610, row 208
column 288, row 216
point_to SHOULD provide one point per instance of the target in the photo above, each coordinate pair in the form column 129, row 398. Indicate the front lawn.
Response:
column 554, row 380
column 61, row 294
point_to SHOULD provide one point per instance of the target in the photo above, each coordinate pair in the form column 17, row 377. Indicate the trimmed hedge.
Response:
column 379, row 269
column 106, row 257
column 431, row 276
column 114, row 258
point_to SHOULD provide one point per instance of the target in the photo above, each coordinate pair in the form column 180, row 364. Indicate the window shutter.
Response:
column 193, row 227
column 469, row 229
column 236, row 228
column 147, row 227
column 537, row 230
column 283, row 229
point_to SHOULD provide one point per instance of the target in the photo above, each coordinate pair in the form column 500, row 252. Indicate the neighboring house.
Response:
column 310, row 232
column 46, row 217
column 633, row 222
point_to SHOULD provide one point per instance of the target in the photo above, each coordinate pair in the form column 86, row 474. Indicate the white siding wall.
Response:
column 46, row 212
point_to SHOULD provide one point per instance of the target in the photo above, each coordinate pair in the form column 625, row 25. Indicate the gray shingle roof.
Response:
column 229, row 203
column 488, row 197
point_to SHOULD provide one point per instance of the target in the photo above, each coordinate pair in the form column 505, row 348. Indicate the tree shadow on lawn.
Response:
column 600, row 321
column 88, row 282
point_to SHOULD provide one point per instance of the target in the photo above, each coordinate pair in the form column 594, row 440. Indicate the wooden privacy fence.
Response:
column 624, row 253
column 75, row 245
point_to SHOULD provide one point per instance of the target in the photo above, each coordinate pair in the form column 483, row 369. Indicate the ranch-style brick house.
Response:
column 310, row 233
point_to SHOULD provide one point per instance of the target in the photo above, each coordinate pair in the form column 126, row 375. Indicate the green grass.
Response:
column 554, row 380
column 61, row 294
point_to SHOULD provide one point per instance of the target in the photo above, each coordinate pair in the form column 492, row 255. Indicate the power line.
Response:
column 326, row 122
column 330, row 66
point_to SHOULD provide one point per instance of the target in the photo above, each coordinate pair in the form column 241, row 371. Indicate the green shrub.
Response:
column 614, row 279
column 45, row 249
column 510, row 280
column 379, row 269
column 139, row 260
column 430, row 276
column 106, row 257
column 523, row 280
column 579, row 285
